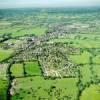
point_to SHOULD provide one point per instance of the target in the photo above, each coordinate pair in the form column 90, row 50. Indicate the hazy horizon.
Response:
column 47, row 3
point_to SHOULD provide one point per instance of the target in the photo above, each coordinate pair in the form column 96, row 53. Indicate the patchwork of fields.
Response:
column 50, row 55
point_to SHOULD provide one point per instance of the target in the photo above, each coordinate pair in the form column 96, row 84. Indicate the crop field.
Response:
column 50, row 54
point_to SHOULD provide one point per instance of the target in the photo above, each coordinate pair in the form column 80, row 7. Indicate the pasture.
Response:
column 39, row 88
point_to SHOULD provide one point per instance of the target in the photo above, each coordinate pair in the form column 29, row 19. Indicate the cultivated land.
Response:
column 50, row 54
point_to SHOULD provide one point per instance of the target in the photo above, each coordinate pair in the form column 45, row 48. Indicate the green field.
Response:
column 38, row 87
column 3, row 71
column 28, row 31
column 86, row 74
column 3, row 81
column 3, row 89
column 96, row 59
column 17, row 70
column 83, row 58
column 91, row 93
column 78, row 43
column 4, row 54
column 32, row 68
column 96, row 70
column 21, row 31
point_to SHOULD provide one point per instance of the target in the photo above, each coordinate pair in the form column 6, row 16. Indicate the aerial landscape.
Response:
column 50, row 53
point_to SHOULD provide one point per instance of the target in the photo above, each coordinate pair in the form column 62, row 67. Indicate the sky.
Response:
column 47, row 3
